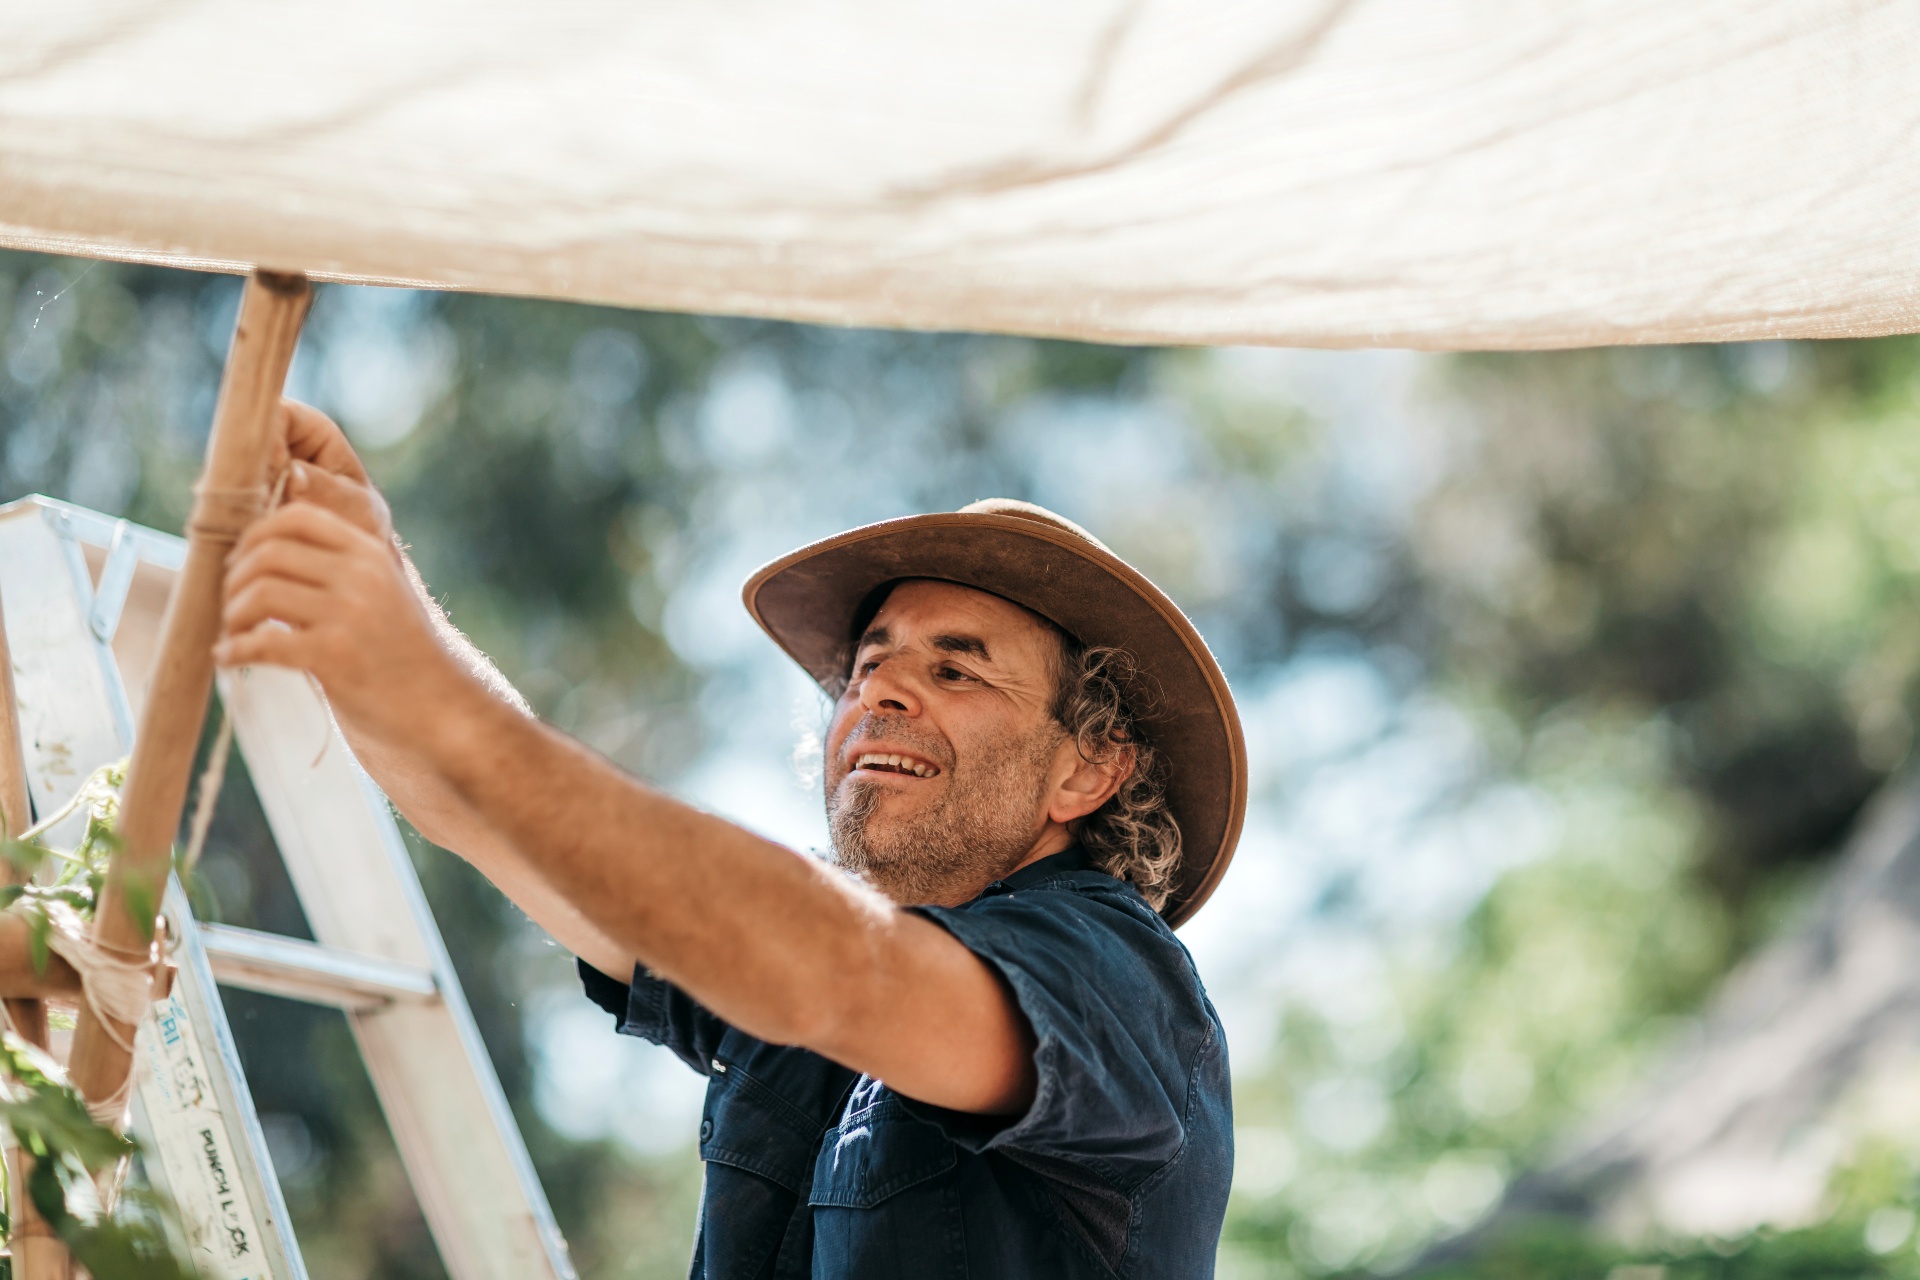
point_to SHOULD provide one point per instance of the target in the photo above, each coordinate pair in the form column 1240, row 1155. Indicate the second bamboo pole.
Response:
column 231, row 494
column 37, row 1253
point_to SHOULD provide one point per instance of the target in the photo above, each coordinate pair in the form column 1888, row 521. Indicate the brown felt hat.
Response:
column 812, row 600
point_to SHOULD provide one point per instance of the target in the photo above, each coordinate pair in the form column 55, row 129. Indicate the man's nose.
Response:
column 885, row 688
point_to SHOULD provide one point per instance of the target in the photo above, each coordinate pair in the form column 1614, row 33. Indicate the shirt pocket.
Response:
column 748, row 1126
column 759, row 1154
column 876, row 1154
column 884, row 1200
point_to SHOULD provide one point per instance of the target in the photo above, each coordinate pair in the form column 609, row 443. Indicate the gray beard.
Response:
column 980, row 830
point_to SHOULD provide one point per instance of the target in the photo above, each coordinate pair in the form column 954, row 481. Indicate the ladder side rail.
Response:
column 195, row 1110
column 464, row 1153
column 386, row 1025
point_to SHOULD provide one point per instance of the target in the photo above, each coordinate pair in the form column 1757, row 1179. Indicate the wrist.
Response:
column 458, row 715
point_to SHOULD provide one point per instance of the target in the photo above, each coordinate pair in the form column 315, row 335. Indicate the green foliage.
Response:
column 1394, row 1112
column 79, row 874
column 1830, row 1251
column 1677, row 584
column 72, row 1151
column 1716, row 539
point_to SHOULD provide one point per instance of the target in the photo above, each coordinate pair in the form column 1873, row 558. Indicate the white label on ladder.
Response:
column 189, row 1136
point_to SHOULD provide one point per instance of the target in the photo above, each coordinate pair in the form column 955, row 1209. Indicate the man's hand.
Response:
column 310, row 436
column 320, row 585
column 308, row 588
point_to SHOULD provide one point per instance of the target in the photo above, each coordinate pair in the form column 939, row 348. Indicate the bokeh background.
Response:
column 1567, row 680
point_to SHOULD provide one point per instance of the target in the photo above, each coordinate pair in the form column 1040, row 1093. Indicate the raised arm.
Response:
column 327, row 473
column 774, row 942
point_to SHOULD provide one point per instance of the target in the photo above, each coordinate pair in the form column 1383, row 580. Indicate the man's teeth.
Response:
column 903, row 764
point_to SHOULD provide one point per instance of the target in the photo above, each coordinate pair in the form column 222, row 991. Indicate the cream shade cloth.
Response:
column 1429, row 173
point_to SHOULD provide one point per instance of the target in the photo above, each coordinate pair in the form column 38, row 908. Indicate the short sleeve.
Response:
column 654, row 1009
column 1120, row 1021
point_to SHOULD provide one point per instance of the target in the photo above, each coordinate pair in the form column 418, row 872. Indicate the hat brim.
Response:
column 808, row 602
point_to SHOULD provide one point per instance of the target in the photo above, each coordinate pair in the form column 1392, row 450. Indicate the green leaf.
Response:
column 56, row 1121
column 78, row 899
column 114, row 1250
column 48, row 1196
column 23, row 857
column 39, row 938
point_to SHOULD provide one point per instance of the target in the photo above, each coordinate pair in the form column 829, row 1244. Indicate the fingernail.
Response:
column 299, row 475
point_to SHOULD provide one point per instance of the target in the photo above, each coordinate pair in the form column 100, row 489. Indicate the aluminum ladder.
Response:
column 82, row 596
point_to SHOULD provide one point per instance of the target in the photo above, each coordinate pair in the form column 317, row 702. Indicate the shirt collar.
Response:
column 1071, row 858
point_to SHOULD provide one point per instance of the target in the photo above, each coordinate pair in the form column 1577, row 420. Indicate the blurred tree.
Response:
column 1679, row 586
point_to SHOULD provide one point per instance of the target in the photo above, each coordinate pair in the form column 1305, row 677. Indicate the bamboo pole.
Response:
column 14, row 806
column 241, row 449
column 23, row 982
column 37, row 1253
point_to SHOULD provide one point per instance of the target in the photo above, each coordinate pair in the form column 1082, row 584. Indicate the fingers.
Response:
column 300, row 522
column 300, row 604
column 287, row 570
column 284, row 558
column 267, row 645
column 358, row 503
column 311, row 436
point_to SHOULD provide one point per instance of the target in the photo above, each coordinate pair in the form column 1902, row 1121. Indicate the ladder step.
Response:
column 279, row 966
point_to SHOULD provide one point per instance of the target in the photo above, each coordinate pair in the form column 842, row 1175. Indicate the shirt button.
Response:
column 706, row 1130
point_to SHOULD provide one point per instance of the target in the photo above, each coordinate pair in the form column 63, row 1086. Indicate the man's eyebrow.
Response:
column 881, row 637
column 963, row 644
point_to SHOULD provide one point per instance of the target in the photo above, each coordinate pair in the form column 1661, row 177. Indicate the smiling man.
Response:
column 968, row 1044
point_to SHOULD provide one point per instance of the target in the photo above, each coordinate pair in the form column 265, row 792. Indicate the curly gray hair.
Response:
column 1133, row 835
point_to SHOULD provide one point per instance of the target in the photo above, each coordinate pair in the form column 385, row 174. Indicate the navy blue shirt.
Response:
column 1119, row 1168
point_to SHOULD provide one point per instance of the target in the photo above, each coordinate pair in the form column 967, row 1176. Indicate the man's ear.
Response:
column 1087, row 784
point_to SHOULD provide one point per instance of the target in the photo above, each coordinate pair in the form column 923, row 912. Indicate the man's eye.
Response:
column 953, row 673
column 866, row 668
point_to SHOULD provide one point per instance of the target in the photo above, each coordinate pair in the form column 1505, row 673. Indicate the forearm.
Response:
column 773, row 942
column 414, row 787
column 755, row 931
column 438, row 812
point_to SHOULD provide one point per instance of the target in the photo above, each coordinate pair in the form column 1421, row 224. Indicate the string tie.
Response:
column 222, row 515
column 116, row 982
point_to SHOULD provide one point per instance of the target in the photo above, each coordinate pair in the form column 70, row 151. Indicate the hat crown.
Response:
column 1029, row 511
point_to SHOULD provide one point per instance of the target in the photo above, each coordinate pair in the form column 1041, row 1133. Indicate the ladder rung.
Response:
column 280, row 966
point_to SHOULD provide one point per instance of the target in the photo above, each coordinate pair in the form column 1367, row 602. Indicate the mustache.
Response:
column 893, row 728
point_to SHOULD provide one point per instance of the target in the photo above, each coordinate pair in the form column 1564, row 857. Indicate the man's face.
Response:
column 942, row 750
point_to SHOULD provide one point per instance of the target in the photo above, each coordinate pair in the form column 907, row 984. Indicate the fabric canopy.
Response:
column 1429, row 173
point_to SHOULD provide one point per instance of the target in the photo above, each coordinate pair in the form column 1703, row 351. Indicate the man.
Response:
column 968, row 1046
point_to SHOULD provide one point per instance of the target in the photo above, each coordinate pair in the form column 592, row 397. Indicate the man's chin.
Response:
column 883, row 843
